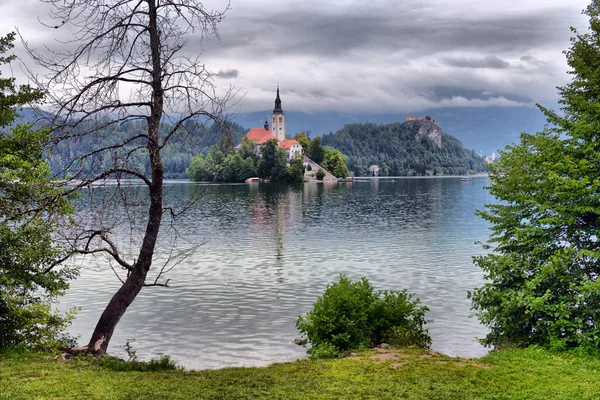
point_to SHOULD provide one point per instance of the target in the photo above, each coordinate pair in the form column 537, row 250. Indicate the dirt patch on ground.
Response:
column 474, row 364
column 425, row 356
column 398, row 364
column 386, row 356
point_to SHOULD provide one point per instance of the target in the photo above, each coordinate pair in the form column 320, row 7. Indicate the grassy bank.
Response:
column 396, row 374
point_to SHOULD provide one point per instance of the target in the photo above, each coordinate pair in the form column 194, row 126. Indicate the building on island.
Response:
column 276, row 130
column 426, row 118
column 374, row 170
column 490, row 159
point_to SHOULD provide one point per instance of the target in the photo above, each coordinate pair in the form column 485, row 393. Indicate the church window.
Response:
column 280, row 119
column 279, row 128
column 273, row 119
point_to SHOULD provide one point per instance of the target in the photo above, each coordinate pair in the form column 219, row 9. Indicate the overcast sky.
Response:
column 377, row 55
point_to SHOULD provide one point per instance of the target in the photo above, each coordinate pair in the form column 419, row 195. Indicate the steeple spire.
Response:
column 277, row 109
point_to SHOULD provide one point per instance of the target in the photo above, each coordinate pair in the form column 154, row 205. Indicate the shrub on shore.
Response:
column 352, row 315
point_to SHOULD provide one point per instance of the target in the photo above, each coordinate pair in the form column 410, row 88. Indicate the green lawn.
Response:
column 399, row 374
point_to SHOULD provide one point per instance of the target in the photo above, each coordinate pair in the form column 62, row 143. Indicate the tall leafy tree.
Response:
column 273, row 162
column 316, row 151
column 304, row 140
column 334, row 163
column 542, row 272
column 30, row 210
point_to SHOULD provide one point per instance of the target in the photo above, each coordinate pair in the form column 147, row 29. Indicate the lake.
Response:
column 268, row 252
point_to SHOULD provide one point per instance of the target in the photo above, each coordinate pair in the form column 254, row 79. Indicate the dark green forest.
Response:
column 392, row 147
column 191, row 139
column 396, row 150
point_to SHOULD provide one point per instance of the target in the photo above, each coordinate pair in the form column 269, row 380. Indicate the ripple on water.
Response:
column 270, row 253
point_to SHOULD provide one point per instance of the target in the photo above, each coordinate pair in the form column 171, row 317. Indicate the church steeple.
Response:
column 277, row 108
column 278, row 119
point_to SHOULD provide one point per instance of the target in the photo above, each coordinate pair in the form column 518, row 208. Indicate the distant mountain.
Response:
column 412, row 148
column 27, row 115
column 483, row 129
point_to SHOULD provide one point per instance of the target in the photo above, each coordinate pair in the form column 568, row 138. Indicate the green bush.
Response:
column 320, row 174
column 351, row 315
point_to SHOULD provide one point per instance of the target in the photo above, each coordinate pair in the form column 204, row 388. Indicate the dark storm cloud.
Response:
column 228, row 73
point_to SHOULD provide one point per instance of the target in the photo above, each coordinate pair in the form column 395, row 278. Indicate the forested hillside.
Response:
column 192, row 139
column 403, row 149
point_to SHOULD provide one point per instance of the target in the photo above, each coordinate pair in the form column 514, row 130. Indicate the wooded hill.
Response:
column 396, row 148
column 193, row 138
column 412, row 148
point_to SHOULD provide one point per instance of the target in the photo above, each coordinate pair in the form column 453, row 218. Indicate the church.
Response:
column 276, row 130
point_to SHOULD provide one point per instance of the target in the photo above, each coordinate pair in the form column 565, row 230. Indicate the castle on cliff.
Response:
column 427, row 117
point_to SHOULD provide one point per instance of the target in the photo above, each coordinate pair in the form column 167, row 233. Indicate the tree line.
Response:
column 223, row 163
column 193, row 137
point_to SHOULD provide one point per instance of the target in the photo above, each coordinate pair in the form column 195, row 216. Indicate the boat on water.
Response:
column 252, row 180
column 345, row 180
column 466, row 179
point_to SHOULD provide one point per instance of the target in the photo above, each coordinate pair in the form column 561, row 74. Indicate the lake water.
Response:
column 269, row 252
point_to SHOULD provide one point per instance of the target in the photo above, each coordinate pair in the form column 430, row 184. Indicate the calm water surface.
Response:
column 270, row 250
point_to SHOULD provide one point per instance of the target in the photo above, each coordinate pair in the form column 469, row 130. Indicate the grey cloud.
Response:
column 267, row 35
column 228, row 73
column 486, row 62
column 382, row 54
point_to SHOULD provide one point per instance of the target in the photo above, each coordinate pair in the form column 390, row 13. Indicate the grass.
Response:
column 395, row 374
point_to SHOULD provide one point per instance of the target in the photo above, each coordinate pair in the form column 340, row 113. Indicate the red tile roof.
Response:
column 259, row 135
column 286, row 144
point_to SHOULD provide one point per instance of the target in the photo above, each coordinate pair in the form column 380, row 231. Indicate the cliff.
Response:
column 424, row 129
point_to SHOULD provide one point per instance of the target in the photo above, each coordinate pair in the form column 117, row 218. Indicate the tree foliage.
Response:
column 304, row 140
column 223, row 164
column 316, row 151
column 542, row 274
column 273, row 164
column 350, row 315
column 334, row 163
column 193, row 138
column 30, row 210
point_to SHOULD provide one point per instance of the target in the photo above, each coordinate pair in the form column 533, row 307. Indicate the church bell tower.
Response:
column 278, row 119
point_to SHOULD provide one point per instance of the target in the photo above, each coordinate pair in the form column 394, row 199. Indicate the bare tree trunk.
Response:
column 114, row 311
column 136, row 279
column 130, row 46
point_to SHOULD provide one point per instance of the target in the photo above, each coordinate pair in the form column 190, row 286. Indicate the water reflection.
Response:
column 269, row 252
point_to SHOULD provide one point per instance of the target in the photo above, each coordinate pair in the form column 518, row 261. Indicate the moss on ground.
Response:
column 391, row 374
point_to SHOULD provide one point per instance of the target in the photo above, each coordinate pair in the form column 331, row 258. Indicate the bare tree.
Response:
column 122, row 62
